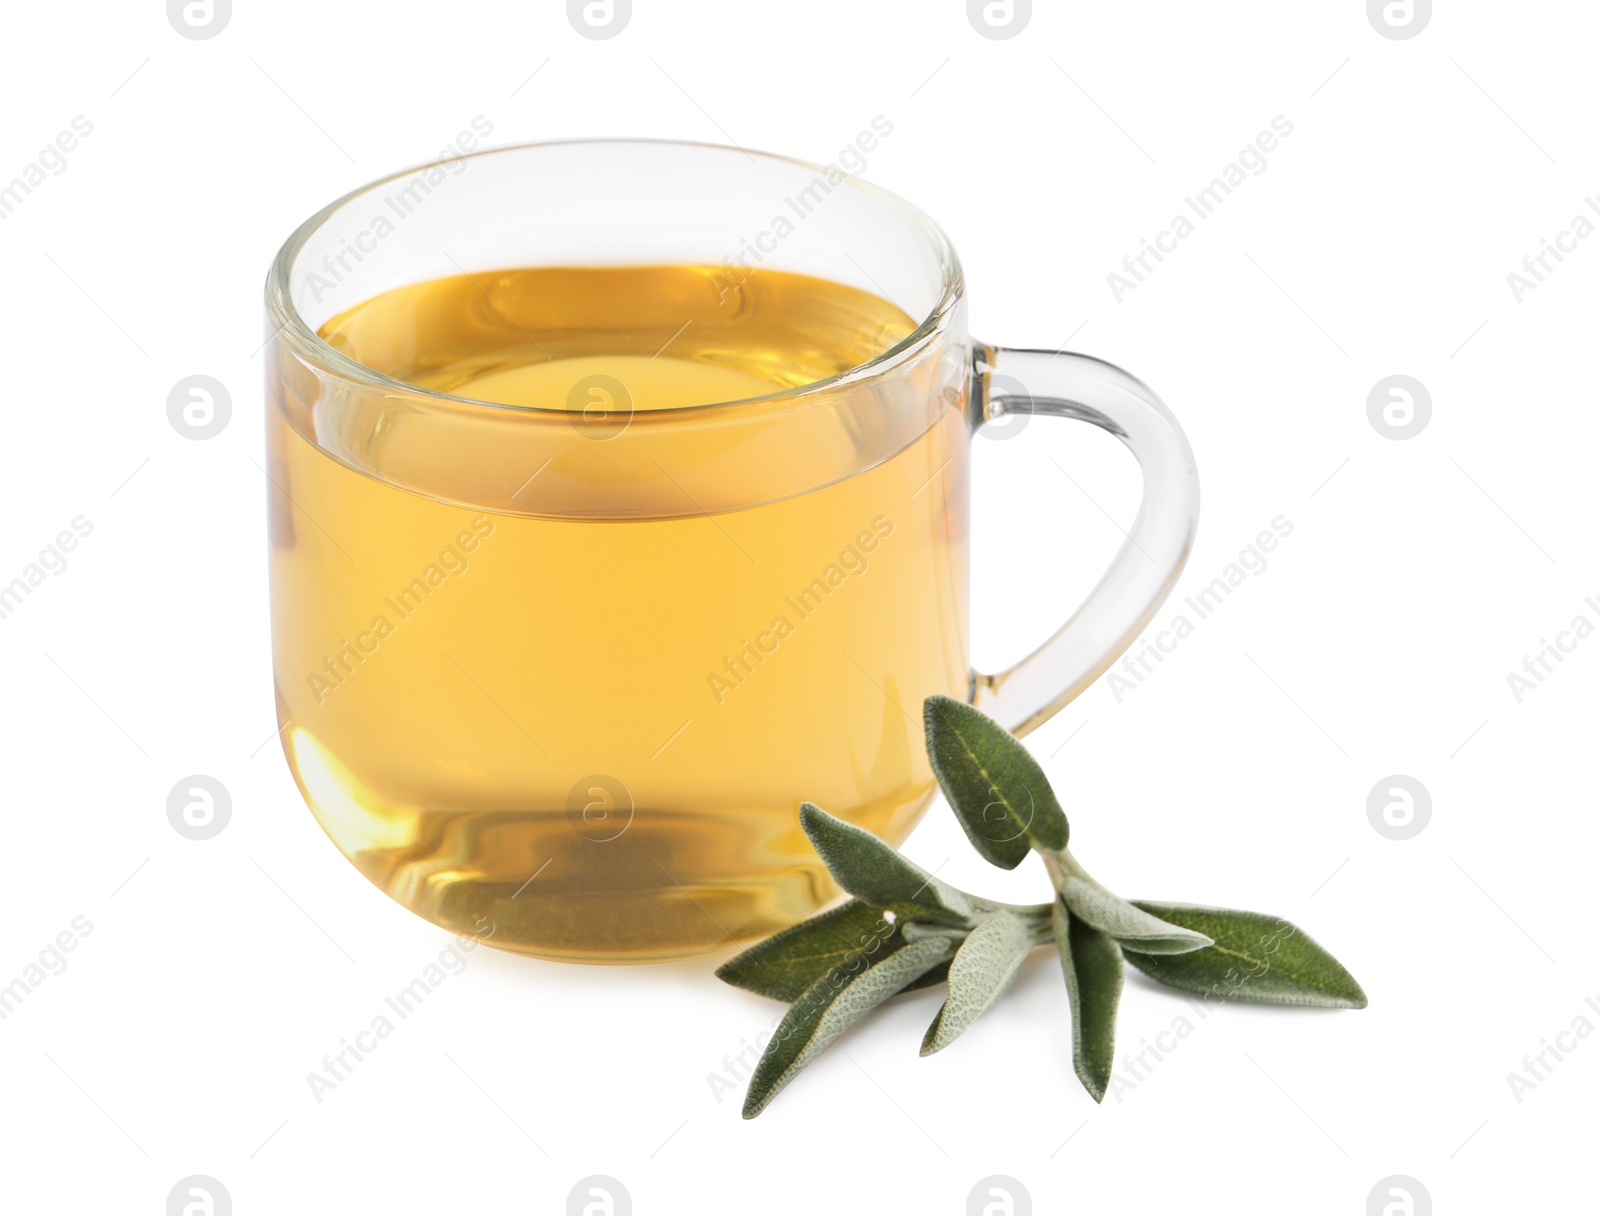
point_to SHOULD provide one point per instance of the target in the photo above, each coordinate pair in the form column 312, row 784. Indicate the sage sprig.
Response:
column 904, row 929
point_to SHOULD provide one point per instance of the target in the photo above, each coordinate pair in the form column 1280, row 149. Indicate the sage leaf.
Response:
column 828, row 1008
column 996, row 788
column 1132, row 926
column 872, row 871
column 785, row 965
column 938, row 974
column 1093, row 966
column 1252, row 957
column 980, row 972
column 916, row 930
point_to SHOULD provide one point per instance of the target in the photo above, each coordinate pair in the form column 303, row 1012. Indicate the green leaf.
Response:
column 831, row 1006
column 996, row 788
column 873, row 871
column 1253, row 958
column 981, row 971
column 916, row 930
column 1093, row 967
column 785, row 965
column 938, row 975
column 1135, row 928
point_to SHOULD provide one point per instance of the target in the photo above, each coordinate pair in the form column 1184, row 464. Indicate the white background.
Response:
column 1420, row 172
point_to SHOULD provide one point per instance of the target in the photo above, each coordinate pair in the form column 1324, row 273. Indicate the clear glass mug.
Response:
column 569, row 673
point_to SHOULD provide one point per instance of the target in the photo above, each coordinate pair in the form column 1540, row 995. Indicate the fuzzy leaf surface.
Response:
column 1254, row 957
column 785, row 965
column 981, row 971
column 1130, row 924
column 828, row 1008
column 993, row 783
column 874, row 872
column 1092, row 963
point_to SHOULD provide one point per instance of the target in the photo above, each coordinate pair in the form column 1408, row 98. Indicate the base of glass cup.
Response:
column 527, row 882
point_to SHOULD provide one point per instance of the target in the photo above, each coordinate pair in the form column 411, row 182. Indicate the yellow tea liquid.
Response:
column 589, row 728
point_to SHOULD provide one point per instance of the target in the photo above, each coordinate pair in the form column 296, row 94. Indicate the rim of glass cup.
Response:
column 286, row 318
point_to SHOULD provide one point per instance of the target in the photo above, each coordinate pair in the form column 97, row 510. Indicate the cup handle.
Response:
column 1063, row 385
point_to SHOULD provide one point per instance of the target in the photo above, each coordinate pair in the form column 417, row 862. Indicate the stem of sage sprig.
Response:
column 904, row 929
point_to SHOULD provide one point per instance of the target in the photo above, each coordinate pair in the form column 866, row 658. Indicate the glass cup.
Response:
column 560, row 678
